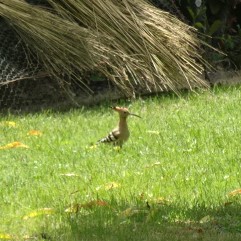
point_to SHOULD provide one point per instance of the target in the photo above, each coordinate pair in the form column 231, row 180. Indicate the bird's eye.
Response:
column 124, row 112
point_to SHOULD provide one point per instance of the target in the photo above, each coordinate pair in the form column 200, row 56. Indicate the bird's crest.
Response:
column 123, row 112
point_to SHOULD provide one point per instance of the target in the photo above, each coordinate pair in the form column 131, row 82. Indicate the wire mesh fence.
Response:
column 16, row 66
column 23, row 80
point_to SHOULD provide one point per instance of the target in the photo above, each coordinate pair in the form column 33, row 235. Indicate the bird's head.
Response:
column 123, row 112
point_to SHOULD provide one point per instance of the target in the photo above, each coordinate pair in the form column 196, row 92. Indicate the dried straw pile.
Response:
column 129, row 41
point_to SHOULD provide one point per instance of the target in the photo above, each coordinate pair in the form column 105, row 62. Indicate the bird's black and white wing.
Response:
column 112, row 137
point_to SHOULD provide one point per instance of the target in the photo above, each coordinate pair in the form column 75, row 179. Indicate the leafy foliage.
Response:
column 220, row 20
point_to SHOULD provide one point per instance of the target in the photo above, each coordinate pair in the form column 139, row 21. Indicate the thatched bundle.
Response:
column 129, row 41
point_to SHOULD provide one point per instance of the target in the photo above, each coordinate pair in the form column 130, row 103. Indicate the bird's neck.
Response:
column 123, row 123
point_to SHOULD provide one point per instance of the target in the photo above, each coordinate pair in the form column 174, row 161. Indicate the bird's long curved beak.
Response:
column 135, row 115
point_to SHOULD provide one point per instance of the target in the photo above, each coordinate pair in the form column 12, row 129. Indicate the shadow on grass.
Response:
column 106, row 100
column 151, row 222
column 69, row 104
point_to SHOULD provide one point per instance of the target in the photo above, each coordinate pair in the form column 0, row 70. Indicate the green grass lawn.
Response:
column 171, row 181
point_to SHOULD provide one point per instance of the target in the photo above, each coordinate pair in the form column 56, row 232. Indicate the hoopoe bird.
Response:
column 121, row 133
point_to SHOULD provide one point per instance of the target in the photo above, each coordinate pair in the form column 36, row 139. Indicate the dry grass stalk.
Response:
column 131, row 42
